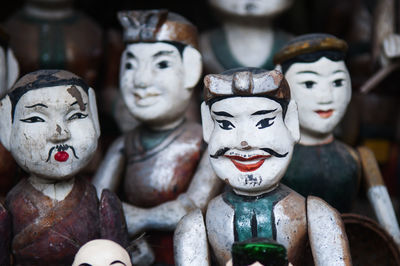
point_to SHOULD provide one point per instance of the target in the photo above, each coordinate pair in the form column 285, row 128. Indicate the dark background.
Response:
column 304, row 16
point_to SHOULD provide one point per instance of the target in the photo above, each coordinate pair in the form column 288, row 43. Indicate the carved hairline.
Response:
column 16, row 94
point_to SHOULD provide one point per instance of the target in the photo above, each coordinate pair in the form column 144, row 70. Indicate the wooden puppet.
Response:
column 165, row 176
column 49, row 124
column 59, row 37
column 247, row 36
column 251, row 125
column 322, row 166
column 102, row 252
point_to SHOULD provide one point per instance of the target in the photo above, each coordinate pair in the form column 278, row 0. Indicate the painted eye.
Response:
column 225, row 124
column 163, row 64
column 77, row 116
column 33, row 119
column 128, row 66
column 266, row 122
column 309, row 84
column 338, row 82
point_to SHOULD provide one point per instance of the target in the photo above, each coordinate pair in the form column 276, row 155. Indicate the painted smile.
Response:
column 138, row 96
column 325, row 114
column 146, row 99
column 247, row 164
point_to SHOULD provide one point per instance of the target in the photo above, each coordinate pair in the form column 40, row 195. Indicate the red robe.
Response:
column 50, row 232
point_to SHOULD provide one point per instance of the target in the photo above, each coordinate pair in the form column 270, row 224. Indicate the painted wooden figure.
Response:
column 102, row 252
column 247, row 36
column 49, row 123
column 165, row 176
column 321, row 165
column 251, row 125
column 59, row 37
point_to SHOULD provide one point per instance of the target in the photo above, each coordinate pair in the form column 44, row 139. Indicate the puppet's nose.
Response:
column 245, row 145
column 60, row 134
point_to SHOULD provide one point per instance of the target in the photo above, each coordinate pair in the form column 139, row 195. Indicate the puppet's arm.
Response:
column 108, row 176
column 203, row 187
column 190, row 241
column 327, row 235
column 378, row 195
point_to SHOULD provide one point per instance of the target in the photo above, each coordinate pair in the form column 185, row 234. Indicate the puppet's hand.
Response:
column 136, row 218
column 391, row 47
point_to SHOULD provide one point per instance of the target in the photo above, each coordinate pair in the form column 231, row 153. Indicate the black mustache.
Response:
column 222, row 151
column 274, row 153
column 62, row 147
column 219, row 152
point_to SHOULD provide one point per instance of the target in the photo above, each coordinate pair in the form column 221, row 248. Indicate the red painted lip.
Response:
column 61, row 156
column 248, row 167
column 325, row 114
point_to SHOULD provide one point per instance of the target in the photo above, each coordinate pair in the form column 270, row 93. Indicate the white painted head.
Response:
column 251, row 8
column 251, row 126
column 159, row 68
column 9, row 69
column 49, row 123
column 319, row 82
column 102, row 252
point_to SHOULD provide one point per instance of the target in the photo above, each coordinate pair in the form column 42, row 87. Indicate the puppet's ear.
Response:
column 93, row 111
column 12, row 69
column 193, row 66
column 292, row 120
column 207, row 122
column 5, row 122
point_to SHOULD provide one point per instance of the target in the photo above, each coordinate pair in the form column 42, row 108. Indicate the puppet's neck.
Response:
column 56, row 190
column 311, row 139
column 167, row 126
column 245, row 37
column 257, row 193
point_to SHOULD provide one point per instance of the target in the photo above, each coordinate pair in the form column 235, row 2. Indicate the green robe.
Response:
column 327, row 171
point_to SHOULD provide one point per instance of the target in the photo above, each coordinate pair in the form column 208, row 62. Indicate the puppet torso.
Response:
column 50, row 232
column 328, row 171
column 278, row 215
column 158, row 169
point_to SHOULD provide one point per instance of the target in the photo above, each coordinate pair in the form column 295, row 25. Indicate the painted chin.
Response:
column 325, row 113
column 248, row 164
column 250, row 8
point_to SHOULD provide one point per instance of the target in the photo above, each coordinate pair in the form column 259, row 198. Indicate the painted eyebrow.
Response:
column 117, row 261
column 76, row 102
column 130, row 55
column 160, row 53
column 36, row 105
column 263, row 112
column 339, row 71
column 223, row 114
column 308, row 72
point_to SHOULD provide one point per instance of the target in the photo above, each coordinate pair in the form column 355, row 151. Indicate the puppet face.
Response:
column 53, row 135
column 153, row 80
column 322, row 91
column 250, row 145
column 252, row 7
column 102, row 252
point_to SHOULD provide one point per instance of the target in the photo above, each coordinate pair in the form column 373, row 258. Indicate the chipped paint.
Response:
column 74, row 92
